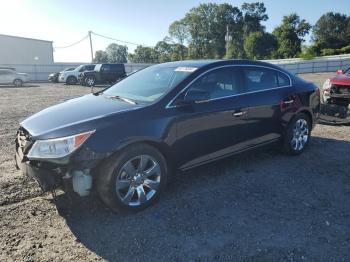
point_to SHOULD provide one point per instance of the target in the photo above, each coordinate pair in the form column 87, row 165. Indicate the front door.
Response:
column 212, row 129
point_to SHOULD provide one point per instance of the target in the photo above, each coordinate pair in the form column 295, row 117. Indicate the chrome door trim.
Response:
column 223, row 97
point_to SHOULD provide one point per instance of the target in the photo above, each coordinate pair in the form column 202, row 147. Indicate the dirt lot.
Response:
column 259, row 206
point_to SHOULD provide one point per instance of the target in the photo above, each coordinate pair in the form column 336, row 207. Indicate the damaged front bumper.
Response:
column 71, row 173
column 335, row 113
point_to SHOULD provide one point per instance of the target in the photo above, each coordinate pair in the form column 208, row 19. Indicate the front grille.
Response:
column 340, row 89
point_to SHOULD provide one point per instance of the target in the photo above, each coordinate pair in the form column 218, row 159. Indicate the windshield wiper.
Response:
column 123, row 99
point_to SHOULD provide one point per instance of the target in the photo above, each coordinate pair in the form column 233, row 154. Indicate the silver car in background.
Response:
column 11, row 77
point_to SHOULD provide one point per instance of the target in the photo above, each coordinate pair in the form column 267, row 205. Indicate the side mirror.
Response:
column 195, row 96
column 340, row 72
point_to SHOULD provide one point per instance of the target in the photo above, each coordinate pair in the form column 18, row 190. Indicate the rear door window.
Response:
column 282, row 79
column 259, row 79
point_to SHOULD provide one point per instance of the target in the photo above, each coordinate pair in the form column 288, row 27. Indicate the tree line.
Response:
column 215, row 31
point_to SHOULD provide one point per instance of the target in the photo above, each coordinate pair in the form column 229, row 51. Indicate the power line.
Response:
column 61, row 47
column 118, row 40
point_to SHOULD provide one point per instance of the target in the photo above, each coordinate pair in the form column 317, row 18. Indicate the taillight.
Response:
column 318, row 91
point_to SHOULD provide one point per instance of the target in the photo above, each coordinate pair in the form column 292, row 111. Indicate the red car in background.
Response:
column 335, row 98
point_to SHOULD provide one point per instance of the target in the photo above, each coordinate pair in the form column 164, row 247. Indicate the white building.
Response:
column 21, row 50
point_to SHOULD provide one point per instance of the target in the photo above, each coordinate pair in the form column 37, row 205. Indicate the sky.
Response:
column 142, row 22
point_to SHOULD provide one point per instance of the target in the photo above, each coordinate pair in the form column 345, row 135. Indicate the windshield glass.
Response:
column 78, row 68
column 149, row 84
column 347, row 71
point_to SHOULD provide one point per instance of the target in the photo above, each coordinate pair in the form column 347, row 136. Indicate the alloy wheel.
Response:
column 300, row 135
column 90, row 81
column 18, row 82
column 138, row 180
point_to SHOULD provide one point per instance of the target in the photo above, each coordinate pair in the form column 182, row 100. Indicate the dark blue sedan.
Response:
column 127, row 140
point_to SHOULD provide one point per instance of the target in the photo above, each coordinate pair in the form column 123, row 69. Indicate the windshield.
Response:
column 149, row 84
column 347, row 71
column 78, row 68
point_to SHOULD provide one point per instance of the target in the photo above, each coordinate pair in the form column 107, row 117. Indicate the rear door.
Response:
column 106, row 73
column 266, row 90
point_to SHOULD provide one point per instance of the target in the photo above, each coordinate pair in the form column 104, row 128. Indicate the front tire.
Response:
column 297, row 135
column 132, row 179
column 18, row 82
column 71, row 80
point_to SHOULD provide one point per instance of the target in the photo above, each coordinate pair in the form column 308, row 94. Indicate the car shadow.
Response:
column 224, row 209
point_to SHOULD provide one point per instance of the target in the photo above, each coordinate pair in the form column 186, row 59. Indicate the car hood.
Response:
column 340, row 80
column 77, row 111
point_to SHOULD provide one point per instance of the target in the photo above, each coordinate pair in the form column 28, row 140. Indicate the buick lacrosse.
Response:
column 127, row 140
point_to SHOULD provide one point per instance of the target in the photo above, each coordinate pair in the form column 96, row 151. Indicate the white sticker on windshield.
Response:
column 186, row 69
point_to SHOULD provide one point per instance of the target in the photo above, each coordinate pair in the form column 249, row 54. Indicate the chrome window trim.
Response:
column 223, row 97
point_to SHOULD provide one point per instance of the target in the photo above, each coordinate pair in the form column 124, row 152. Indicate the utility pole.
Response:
column 92, row 52
column 228, row 38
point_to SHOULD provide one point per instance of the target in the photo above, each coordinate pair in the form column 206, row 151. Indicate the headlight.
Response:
column 58, row 147
column 327, row 86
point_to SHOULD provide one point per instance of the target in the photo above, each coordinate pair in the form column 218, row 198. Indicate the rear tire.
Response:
column 71, row 80
column 297, row 135
column 90, row 81
column 18, row 82
column 133, row 178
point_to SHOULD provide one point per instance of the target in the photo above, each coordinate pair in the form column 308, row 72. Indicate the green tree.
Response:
column 163, row 51
column 179, row 31
column 143, row 55
column 100, row 57
column 117, row 53
column 332, row 30
column 206, row 25
column 290, row 35
column 179, row 52
column 260, row 45
column 253, row 15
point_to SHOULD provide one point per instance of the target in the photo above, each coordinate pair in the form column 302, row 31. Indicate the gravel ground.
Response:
column 258, row 206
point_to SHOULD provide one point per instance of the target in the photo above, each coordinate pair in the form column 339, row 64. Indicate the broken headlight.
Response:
column 58, row 147
column 326, row 90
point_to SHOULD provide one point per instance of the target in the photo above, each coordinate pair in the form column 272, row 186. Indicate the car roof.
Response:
column 214, row 63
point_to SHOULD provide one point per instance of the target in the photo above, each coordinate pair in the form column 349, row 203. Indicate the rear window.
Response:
column 259, row 78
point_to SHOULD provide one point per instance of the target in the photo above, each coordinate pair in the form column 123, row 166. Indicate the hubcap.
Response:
column 138, row 180
column 90, row 81
column 300, row 135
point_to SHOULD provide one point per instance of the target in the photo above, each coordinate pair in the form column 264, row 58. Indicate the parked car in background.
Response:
column 12, row 77
column 103, row 74
column 335, row 98
column 54, row 76
column 71, row 77
column 127, row 140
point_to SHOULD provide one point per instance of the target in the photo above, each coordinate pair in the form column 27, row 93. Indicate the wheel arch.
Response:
column 308, row 114
column 158, row 145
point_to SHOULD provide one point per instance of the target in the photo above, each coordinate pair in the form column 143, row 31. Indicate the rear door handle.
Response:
column 239, row 113
column 288, row 101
